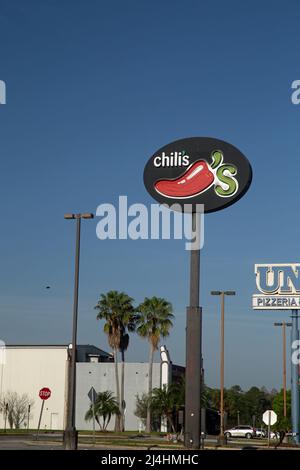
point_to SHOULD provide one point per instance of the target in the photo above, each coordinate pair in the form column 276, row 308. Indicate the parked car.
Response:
column 241, row 431
column 260, row 432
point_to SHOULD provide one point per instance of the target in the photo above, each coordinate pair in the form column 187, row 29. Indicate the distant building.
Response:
column 28, row 368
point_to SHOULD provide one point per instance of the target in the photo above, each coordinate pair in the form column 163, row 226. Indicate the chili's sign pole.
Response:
column 188, row 175
column 193, row 368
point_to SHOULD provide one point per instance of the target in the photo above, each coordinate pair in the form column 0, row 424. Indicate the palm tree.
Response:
column 117, row 310
column 154, row 322
column 105, row 406
column 166, row 401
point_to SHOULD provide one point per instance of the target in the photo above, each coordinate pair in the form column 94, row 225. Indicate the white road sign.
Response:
column 269, row 417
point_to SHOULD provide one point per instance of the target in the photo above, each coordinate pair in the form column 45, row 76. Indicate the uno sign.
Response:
column 279, row 285
column 45, row 393
column 197, row 170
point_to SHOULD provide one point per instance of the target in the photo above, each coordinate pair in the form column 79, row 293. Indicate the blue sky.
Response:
column 93, row 89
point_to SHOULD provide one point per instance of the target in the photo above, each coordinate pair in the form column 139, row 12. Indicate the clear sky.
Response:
column 93, row 89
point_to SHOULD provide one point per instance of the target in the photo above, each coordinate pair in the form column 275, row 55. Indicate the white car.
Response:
column 260, row 432
column 240, row 431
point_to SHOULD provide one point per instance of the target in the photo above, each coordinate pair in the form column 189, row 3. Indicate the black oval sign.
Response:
column 198, row 170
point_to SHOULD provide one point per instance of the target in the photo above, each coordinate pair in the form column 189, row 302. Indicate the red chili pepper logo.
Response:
column 195, row 180
column 199, row 177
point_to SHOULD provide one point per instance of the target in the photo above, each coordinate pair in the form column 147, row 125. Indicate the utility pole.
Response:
column 284, row 366
column 283, row 326
column 222, row 439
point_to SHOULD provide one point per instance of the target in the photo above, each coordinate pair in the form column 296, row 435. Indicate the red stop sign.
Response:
column 45, row 393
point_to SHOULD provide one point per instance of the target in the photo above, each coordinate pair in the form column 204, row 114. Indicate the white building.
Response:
column 27, row 369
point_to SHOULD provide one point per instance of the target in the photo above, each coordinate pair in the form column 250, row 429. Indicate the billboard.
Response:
column 197, row 171
column 278, row 286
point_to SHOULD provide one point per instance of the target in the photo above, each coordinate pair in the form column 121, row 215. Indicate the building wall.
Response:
column 101, row 376
column 27, row 370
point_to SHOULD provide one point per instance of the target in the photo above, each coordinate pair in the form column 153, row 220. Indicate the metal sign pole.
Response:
column 40, row 419
column 28, row 417
column 295, row 381
column 93, row 416
column 269, row 428
column 6, row 410
column 92, row 396
column 193, row 350
column 284, row 366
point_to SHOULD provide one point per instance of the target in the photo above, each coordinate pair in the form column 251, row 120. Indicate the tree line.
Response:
column 241, row 407
column 247, row 407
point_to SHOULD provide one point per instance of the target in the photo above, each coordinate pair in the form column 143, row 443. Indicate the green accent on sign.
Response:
column 217, row 157
column 229, row 180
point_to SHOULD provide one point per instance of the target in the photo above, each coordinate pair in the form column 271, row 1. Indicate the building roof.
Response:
column 90, row 348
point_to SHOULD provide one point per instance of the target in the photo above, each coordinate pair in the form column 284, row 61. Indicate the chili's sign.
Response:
column 198, row 170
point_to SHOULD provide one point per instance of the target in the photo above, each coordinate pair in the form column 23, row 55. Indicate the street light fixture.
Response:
column 222, row 294
column 283, row 325
column 70, row 434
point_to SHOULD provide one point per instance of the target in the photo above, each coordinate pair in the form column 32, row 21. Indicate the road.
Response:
column 26, row 443
column 54, row 442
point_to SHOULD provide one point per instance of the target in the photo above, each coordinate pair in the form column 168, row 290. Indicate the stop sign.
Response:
column 269, row 417
column 45, row 393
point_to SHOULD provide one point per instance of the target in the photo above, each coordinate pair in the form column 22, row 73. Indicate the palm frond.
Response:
column 116, row 308
column 154, row 319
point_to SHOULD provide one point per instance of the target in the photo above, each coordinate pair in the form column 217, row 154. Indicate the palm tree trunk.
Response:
column 122, row 391
column 148, row 421
column 117, row 423
column 99, row 423
column 171, row 423
column 107, row 422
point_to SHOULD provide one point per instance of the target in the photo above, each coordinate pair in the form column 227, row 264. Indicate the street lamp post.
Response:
column 222, row 294
column 71, row 434
column 295, row 398
column 283, row 325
